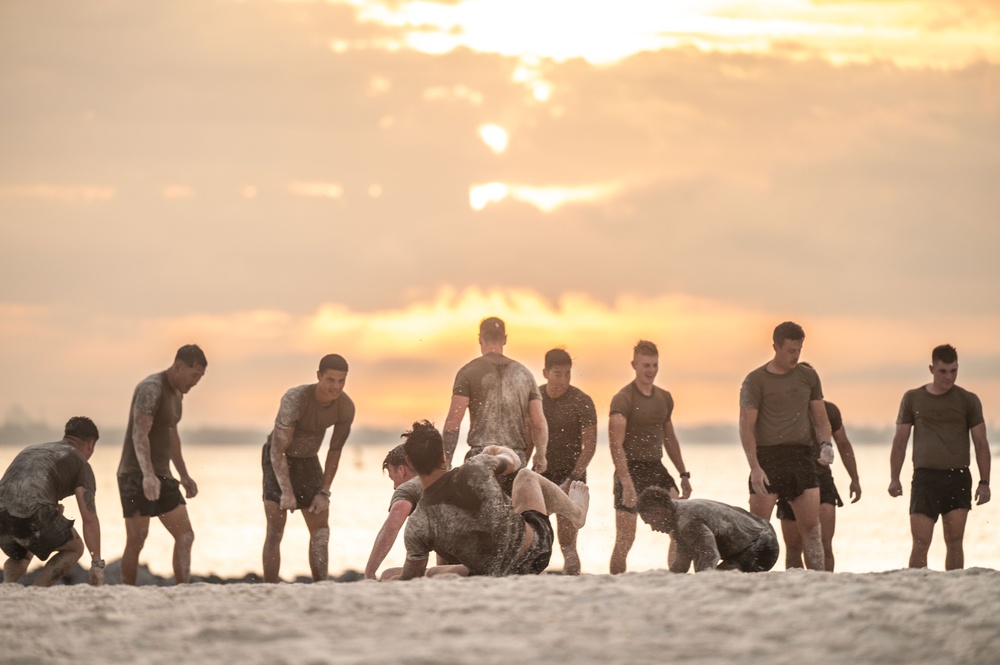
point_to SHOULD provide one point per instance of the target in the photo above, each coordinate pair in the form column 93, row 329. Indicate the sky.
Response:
column 280, row 180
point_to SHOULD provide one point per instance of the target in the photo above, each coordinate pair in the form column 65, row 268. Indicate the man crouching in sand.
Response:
column 713, row 535
column 464, row 515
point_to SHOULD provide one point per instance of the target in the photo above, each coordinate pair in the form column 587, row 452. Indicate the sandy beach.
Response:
column 779, row 617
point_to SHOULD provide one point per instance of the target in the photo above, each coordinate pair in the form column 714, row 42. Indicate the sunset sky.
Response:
column 280, row 180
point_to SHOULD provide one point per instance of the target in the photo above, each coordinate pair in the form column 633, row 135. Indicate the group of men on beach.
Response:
column 491, row 514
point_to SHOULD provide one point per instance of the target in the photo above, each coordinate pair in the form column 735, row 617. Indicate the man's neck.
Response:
column 645, row 388
column 432, row 477
column 774, row 368
column 934, row 390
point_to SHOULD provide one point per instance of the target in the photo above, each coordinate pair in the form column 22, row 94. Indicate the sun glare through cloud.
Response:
column 546, row 199
column 495, row 137
column 330, row 190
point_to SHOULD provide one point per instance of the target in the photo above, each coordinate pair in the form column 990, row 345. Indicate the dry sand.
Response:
column 655, row 617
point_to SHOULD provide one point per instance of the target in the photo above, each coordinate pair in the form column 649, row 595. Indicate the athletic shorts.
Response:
column 134, row 501
column 827, row 494
column 644, row 474
column 935, row 492
column 791, row 470
column 306, row 474
column 760, row 556
column 536, row 559
column 41, row 534
column 559, row 476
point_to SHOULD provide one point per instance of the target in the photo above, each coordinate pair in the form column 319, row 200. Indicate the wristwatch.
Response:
column 325, row 493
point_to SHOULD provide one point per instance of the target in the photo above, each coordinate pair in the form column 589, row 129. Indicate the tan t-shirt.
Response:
column 782, row 403
column 499, row 390
column 645, row 418
column 302, row 412
column 941, row 425
column 153, row 397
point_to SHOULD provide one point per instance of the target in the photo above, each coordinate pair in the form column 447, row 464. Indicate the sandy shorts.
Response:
column 306, row 474
column 791, row 470
column 827, row 494
column 134, row 501
column 935, row 492
column 536, row 559
column 760, row 556
column 41, row 534
column 644, row 474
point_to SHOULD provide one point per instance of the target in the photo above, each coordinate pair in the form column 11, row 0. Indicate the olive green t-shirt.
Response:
column 410, row 491
column 154, row 397
column 43, row 475
column 300, row 411
column 941, row 425
column 645, row 417
column 782, row 403
column 499, row 390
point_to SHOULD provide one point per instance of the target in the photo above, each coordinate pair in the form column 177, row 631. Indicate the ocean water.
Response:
column 228, row 514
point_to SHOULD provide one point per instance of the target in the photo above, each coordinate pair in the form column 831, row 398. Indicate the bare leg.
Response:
column 624, row 537
column 535, row 492
column 179, row 526
column 60, row 563
column 319, row 544
column 276, row 519
column 828, row 524
column 450, row 569
column 392, row 574
column 15, row 570
column 953, row 523
column 793, row 544
column 806, row 508
column 136, row 530
column 672, row 547
column 922, row 531
column 567, row 543
column 762, row 505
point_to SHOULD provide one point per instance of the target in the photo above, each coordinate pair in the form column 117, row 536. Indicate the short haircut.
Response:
column 332, row 361
column 652, row 498
column 788, row 330
column 492, row 329
column 82, row 428
column 644, row 348
column 191, row 355
column 946, row 353
column 424, row 447
column 557, row 357
column 396, row 457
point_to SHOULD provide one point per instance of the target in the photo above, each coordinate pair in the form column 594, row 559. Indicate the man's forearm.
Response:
column 450, row 438
column 92, row 536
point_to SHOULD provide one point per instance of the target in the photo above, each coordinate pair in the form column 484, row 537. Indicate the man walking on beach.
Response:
column 572, row 423
column 407, row 491
column 505, row 407
column 465, row 516
column 31, row 519
column 145, row 484
column 712, row 535
column 780, row 403
column 293, row 476
column 941, row 416
column 829, row 498
column 639, row 430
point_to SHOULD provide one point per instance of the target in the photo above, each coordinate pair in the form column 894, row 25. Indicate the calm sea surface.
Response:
column 228, row 515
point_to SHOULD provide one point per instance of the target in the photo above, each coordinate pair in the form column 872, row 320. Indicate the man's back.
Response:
column 734, row 529
column 499, row 390
column 43, row 474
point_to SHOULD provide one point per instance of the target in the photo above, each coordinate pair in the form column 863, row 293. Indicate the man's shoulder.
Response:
column 662, row 393
column 300, row 392
column 578, row 395
column 153, row 382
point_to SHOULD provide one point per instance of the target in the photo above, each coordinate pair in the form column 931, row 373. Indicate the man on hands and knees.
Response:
column 942, row 416
column 572, row 421
column 712, row 535
column 293, row 476
column 780, row 403
column 31, row 519
column 465, row 516
column 145, row 484
column 639, row 430
column 407, row 491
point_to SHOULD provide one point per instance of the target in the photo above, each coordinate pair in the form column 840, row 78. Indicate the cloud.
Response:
column 65, row 193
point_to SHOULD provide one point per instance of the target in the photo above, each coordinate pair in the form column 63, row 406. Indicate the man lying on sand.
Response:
column 710, row 534
column 465, row 516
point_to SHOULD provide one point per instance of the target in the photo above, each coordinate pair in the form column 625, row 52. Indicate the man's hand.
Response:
column 982, row 494
column 190, row 487
column 319, row 504
column 758, row 481
column 685, row 488
column 540, row 464
column 288, row 501
column 629, row 497
column 96, row 576
column 826, row 453
column 151, row 487
column 896, row 488
column 855, row 490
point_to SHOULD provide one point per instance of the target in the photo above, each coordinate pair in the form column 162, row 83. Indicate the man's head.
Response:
column 395, row 464
column 944, row 367
column 788, row 338
column 557, row 371
column 656, row 509
column 188, row 368
column 424, row 448
column 492, row 332
column 332, row 376
column 645, row 362
column 84, row 430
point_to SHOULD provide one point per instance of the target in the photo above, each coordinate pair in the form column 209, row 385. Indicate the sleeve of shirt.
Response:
column 670, row 406
column 974, row 414
column 619, row 404
column 833, row 413
column 535, row 392
column 147, row 397
column 417, row 548
column 816, row 388
column 588, row 412
column 290, row 410
column 750, row 393
column 85, row 478
column 347, row 410
column 905, row 416
column 462, row 387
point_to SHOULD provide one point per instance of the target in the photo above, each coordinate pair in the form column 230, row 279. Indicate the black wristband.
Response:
column 325, row 493
column 686, row 474
column 984, row 482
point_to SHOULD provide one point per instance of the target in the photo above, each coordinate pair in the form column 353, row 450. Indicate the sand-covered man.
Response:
column 145, row 483
column 829, row 497
column 465, row 516
column 407, row 491
column 572, row 423
column 293, row 476
column 505, row 407
column 31, row 515
column 709, row 534
column 639, row 430
column 942, row 416
column 781, row 403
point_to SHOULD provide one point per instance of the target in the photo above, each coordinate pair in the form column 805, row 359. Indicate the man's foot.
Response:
column 579, row 494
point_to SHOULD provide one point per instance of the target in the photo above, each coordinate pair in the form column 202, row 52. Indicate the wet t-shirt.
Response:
column 465, row 517
column 941, row 425
column 301, row 412
column 701, row 522
column 645, row 416
column 499, row 390
column 782, row 403
column 410, row 491
column 567, row 416
column 153, row 397
column 43, row 475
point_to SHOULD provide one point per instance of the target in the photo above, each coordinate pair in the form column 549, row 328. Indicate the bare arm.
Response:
column 321, row 501
column 452, row 425
column 588, row 438
column 281, row 437
column 982, row 447
column 706, row 550
column 824, row 433
column 847, row 457
column 539, row 434
column 413, row 568
column 673, row 448
column 616, row 441
column 190, row 487
column 142, row 423
column 896, row 458
column 91, row 531
column 398, row 513
column 748, row 437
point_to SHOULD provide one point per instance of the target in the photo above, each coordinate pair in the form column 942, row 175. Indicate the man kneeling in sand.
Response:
column 465, row 516
column 713, row 535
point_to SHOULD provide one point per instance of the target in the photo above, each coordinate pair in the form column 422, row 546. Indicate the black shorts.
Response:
column 934, row 492
column 760, row 556
column 41, row 534
column 791, row 470
column 134, row 501
column 306, row 474
column 643, row 474
column 536, row 559
column 827, row 494
column 559, row 476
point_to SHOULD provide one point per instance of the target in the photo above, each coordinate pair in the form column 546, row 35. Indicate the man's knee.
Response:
column 135, row 535
column 320, row 536
column 185, row 538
